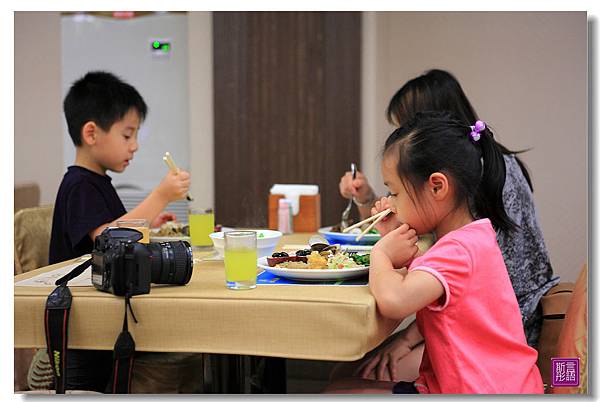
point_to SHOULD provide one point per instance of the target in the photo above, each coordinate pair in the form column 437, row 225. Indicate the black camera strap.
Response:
column 56, row 324
column 123, row 356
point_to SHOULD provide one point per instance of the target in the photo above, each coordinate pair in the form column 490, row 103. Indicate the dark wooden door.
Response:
column 287, row 108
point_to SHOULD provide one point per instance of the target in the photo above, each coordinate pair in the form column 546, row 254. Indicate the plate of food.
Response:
column 170, row 231
column 333, row 234
column 319, row 263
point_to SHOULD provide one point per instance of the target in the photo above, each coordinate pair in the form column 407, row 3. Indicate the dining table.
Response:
column 272, row 322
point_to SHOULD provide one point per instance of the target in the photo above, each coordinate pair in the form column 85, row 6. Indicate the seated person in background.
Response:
column 103, row 116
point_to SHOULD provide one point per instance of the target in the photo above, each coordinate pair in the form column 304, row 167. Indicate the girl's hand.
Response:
column 399, row 245
column 174, row 186
column 163, row 217
column 358, row 188
column 390, row 222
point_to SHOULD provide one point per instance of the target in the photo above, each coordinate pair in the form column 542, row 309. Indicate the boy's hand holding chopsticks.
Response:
column 176, row 184
column 175, row 170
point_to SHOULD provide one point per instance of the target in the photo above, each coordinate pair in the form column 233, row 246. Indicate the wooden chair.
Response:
column 554, row 307
column 27, row 195
column 573, row 339
column 32, row 227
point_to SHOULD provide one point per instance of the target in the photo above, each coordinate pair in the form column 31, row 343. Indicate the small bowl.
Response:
column 266, row 241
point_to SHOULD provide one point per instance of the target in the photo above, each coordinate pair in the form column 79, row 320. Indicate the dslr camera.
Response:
column 123, row 266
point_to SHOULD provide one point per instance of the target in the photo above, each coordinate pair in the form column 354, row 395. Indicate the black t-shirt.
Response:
column 85, row 201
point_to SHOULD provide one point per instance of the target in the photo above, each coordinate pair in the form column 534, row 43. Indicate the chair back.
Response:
column 32, row 238
column 573, row 339
column 554, row 307
column 27, row 195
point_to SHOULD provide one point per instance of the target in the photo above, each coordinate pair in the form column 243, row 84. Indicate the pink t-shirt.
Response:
column 474, row 338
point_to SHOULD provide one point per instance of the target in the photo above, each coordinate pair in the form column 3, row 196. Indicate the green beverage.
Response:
column 240, row 265
column 202, row 223
column 240, row 259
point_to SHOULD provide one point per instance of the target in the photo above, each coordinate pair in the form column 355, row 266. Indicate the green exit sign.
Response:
column 160, row 47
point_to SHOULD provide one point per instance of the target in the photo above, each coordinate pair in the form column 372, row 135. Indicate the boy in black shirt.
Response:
column 103, row 115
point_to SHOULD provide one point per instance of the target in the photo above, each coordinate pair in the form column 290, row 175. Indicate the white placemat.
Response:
column 48, row 279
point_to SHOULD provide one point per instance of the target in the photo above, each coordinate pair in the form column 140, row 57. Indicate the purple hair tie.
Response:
column 477, row 129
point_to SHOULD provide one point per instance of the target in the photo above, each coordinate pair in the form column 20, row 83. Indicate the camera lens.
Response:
column 172, row 262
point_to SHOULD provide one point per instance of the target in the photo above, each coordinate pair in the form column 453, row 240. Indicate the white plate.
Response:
column 160, row 239
column 312, row 274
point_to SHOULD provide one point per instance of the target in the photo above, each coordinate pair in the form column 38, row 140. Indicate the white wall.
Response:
column 38, row 112
column 201, row 108
column 525, row 74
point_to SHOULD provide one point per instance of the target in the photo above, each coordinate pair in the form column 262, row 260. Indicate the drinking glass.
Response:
column 240, row 259
column 202, row 223
column 141, row 225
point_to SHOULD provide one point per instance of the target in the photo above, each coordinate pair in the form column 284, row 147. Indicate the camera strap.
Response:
column 123, row 356
column 56, row 324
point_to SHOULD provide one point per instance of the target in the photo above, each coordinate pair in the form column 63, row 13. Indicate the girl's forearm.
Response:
column 381, row 285
column 385, row 283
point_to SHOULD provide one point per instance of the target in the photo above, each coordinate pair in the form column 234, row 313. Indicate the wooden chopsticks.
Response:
column 375, row 218
column 173, row 167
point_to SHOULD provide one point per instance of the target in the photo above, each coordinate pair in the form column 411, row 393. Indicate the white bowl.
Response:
column 266, row 242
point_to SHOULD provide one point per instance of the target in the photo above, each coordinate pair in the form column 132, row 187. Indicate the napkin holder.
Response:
column 308, row 218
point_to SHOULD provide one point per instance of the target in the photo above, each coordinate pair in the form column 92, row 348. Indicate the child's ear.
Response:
column 438, row 185
column 89, row 131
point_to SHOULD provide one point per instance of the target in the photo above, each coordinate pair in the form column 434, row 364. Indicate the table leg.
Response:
column 275, row 375
column 237, row 374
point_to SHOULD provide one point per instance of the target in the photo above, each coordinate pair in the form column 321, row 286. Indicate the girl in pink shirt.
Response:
column 438, row 170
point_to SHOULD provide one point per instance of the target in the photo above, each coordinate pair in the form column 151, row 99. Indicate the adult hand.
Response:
column 384, row 365
column 163, row 217
column 390, row 222
column 358, row 188
column 174, row 186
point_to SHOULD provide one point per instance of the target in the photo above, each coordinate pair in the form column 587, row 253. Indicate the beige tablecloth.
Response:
column 303, row 322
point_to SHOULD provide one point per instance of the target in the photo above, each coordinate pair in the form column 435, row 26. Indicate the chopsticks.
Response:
column 369, row 219
column 375, row 218
column 173, row 167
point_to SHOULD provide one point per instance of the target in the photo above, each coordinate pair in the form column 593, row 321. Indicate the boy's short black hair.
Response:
column 100, row 97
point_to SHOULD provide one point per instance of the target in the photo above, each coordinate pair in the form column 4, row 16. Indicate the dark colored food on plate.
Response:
column 303, row 253
column 280, row 254
column 272, row 261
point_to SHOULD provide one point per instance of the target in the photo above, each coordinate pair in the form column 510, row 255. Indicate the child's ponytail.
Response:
column 436, row 142
column 488, row 197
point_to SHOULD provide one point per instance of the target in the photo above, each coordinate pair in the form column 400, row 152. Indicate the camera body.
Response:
column 123, row 266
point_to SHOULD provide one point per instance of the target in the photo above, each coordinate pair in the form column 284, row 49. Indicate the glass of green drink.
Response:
column 240, row 259
column 202, row 223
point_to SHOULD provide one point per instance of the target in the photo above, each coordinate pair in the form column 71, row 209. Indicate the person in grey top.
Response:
column 524, row 251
